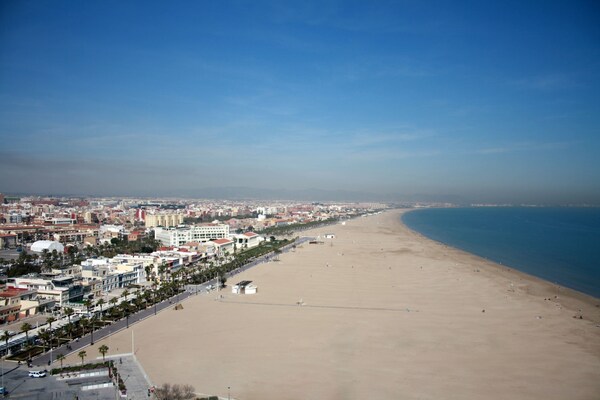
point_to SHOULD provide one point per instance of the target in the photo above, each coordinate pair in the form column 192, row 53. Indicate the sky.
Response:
column 476, row 100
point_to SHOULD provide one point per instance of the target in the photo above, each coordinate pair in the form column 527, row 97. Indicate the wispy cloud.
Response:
column 524, row 146
column 386, row 138
column 546, row 82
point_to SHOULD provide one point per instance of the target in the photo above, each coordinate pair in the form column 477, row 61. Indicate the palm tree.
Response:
column 87, row 303
column 68, row 312
column 45, row 336
column 103, row 350
column 26, row 327
column 69, row 330
column 100, row 303
column 6, row 337
column 82, row 354
column 113, row 302
column 60, row 357
column 161, row 270
column 49, row 321
column 124, row 307
column 93, row 322
column 84, row 323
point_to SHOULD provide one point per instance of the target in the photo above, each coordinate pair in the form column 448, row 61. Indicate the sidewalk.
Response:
column 132, row 374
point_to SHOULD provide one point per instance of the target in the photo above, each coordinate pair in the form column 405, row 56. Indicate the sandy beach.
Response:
column 377, row 312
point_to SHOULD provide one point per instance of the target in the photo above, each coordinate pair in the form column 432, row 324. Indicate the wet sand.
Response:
column 378, row 312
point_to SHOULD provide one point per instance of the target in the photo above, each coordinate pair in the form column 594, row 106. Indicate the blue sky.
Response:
column 488, row 101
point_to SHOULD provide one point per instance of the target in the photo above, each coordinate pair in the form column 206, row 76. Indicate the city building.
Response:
column 247, row 240
column 223, row 246
column 61, row 289
column 8, row 241
column 16, row 303
column 196, row 233
column 166, row 220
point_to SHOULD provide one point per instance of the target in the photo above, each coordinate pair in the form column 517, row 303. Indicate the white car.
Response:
column 37, row 374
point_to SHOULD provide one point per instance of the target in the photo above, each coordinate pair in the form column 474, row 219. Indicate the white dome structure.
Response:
column 49, row 245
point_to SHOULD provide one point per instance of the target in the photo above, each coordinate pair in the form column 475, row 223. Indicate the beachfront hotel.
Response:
column 196, row 233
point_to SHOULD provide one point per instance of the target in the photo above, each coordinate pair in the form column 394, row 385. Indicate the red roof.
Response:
column 222, row 241
column 250, row 234
column 13, row 291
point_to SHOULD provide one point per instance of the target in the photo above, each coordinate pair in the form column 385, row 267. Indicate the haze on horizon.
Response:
column 482, row 101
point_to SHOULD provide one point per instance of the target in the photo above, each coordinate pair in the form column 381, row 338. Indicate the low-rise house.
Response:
column 17, row 303
column 223, row 246
column 246, row 240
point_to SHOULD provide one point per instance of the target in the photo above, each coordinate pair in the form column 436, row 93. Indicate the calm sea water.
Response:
column 561, row 245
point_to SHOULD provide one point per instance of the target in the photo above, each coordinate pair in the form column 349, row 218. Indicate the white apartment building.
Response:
column 196, row 233
column 62, row 289
column 113, row 273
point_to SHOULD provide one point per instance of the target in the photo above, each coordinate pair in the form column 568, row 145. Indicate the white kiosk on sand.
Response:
column 244, row 287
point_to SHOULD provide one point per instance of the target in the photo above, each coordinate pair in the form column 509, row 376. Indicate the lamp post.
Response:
column 228, row 393
column 155, row 302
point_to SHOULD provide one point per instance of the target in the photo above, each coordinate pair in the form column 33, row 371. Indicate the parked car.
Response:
column 37, row 374
column 3, row 391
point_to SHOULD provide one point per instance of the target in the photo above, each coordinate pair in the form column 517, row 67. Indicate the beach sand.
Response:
column 386, row 314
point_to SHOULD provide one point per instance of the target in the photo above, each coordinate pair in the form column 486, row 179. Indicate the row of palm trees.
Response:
column 169, row 285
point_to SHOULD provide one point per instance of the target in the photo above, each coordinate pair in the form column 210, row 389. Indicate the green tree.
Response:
column 125, row 307
column 82, row 354
column 60, row 357
column 100, row 303
column 84, row 323
column 68, row 312
column 88, row 304
column 45, row 337
column 6, row 335
column 103, row 350
column 49, row 321
column 26, row 327
column 113, row 302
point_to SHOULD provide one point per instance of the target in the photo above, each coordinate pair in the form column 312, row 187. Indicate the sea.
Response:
column 560, row 245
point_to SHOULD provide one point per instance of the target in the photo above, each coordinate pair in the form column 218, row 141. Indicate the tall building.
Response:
column 164, row 220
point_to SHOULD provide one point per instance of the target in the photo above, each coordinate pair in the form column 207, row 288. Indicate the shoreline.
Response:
column 541, row 285
column 498, row 263
column 382, row 312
